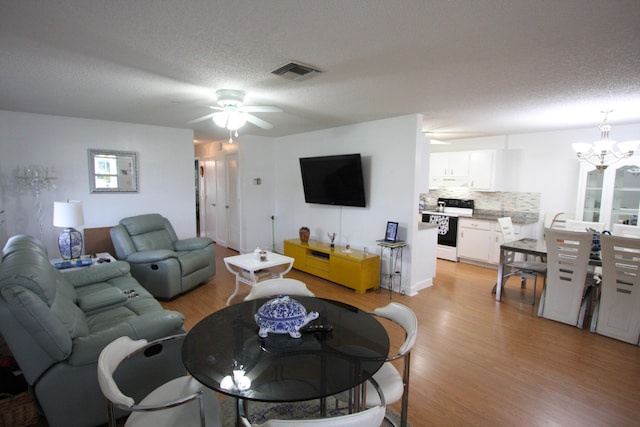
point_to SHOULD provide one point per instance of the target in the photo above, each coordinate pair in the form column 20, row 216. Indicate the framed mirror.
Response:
column 113, row 171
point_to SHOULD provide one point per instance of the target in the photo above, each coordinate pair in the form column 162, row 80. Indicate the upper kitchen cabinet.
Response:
column 449, row 169
column 611, row 195
column 477, row 170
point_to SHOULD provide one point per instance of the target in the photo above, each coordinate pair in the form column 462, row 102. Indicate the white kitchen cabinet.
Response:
column 449, row 169
column 480, row 240
column 474, row 239
column 487, row 170
column 611, row 196
column 455, row 163
column 477, row 170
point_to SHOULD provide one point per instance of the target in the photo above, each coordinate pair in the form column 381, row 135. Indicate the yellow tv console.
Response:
column 354, row 270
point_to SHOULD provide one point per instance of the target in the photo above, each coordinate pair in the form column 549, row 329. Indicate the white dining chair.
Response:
column 566, row 291
column 617, row 313
column 395, row 386
column 556, row 220
column 371, row 417
column 625, row 230
column 182, row 401
column 279, row 286
column 575, row 225
column 524, row 269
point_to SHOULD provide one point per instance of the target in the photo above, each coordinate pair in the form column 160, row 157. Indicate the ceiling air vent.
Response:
column 295, row 71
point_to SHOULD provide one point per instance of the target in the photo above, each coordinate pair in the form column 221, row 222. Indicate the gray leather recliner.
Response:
column 165, row 265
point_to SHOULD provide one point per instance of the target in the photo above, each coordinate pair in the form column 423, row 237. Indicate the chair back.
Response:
column 567, row 261
column 574, row 225
column 167, row 404
column 618, row 314
column 556, row 220
column 109, row 360
column 508, row 235
column 626, row 230
column 405, row 317
column 506, row 227
column 279, row 286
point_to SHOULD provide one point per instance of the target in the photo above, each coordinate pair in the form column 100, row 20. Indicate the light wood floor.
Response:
column 477, row 362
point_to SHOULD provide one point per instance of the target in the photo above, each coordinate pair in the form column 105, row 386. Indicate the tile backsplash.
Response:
column 506, row 202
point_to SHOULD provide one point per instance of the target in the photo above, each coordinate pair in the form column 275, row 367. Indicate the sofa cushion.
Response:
column 42, row 324
column 142, row 224
column 192, row 261
column 153, row 240
column 192, row 244
column 32, row 270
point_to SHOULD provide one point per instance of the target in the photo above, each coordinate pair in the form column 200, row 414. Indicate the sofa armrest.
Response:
column 192, row 244
column 101, row 299
column 146, row 257
column 97, row 273
column 149, row 326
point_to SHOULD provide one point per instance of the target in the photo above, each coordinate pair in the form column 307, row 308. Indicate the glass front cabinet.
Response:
column 610, row 196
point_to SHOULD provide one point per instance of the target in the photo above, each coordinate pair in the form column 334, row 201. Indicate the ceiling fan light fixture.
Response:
column 227, row 97
column 236, row 120
column 231, row 120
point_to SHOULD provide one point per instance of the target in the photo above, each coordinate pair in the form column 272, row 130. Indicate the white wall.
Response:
column 258, row 201
column 166, row 177
column 388, row 150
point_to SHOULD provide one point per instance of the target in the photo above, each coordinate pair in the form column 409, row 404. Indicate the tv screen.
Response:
column 333, row 180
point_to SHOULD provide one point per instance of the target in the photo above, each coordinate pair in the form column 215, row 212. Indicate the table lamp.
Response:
column 68, row 215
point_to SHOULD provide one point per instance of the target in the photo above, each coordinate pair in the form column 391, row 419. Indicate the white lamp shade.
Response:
column 231, row 120
column 627, row 146
column 581, row 147
column 603, row 145
column 236, row 121
column 68, row 214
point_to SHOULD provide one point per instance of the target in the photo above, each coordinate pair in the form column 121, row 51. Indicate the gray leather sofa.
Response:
column 56, row 324
column 163, row 264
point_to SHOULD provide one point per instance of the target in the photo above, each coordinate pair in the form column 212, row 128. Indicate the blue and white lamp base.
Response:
column 70, row 243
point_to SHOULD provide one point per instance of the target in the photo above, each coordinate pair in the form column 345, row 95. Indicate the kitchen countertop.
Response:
column 522, row 218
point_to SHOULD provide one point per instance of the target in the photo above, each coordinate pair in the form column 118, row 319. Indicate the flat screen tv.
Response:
column 333, row 180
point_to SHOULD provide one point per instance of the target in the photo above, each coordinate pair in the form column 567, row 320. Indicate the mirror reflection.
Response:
column 113, row 171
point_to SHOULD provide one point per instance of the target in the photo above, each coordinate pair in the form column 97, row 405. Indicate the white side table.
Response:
column 250, row 270
column 102, row 257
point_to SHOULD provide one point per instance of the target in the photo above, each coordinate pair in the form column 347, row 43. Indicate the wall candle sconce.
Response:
column 36, row 178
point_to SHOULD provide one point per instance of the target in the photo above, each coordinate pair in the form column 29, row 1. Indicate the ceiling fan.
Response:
column 232, row 113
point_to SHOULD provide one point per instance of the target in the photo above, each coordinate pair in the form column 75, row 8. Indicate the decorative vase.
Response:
column 304, row 234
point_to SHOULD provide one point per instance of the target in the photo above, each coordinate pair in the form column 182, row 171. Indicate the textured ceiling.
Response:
column 472, row 68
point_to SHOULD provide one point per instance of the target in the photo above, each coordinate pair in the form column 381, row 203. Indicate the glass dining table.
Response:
column 225, row 353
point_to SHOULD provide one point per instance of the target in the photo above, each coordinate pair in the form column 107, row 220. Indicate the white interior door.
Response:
column 208, row 200
column 233, row 202
column 220, row 209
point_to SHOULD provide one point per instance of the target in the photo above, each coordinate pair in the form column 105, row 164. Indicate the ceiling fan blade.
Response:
column 258, row 122
column 202, row 119
column 261, row 109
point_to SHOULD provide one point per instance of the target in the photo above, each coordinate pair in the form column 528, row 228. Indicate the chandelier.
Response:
column 604, row 152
